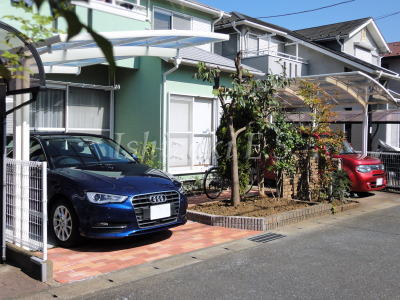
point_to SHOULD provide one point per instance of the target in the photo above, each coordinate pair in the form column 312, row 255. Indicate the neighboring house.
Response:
column 149, row 98
column 330, row 49
column 391, row 61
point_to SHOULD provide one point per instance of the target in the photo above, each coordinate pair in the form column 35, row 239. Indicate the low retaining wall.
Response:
column 29, row 264
column 270, row 222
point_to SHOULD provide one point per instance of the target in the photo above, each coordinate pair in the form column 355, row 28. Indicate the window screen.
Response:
column 191, row 132
column 252, row 42
column 89, row 110
column 181, row 23
column 162, row 21
column 48, row 110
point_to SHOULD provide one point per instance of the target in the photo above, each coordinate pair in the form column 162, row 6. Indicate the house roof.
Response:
column 200, row 6
column 240, row 18
column 331, row 31
column 394, row 49
column 346, row 30
column 194, row 55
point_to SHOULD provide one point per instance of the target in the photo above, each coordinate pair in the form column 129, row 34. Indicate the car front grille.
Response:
column 142, row 204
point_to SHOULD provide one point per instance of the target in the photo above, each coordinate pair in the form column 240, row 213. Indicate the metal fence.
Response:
column 391, row 161
column 25, row 195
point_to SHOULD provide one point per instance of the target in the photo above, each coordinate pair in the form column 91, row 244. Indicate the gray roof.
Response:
column 195, row 55
column 331, row 31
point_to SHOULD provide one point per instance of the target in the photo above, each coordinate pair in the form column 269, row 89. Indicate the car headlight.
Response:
column 364, row 169
column 382, row 167
column 100, row 198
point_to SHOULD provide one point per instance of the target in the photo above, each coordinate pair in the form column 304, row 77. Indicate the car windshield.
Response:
column 347, row 148
column 79, row 151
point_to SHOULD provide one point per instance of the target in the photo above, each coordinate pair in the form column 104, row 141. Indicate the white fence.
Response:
column 391, row 161
column 25, row 195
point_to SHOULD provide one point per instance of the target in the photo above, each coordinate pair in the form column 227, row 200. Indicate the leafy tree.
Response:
column 246, row 105
column 320, row 138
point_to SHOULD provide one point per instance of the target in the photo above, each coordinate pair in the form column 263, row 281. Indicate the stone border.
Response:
column 270, row 222
column 28, row 263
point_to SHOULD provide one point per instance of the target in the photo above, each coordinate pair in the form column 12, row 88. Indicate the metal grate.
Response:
column 391, row 161
column 141, row 205
column 266, row 237
column 25, row 212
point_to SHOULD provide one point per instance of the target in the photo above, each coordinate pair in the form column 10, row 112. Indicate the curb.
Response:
column 270, row 222
column 31, row 265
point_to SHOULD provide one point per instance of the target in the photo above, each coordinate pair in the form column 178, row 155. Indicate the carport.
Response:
column 60, row 55
column 341, row 90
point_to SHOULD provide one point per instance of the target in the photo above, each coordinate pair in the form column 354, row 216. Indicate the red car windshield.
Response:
column 347, row 148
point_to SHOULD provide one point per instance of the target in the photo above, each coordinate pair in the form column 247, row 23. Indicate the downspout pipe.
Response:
column 164, row 112
column 240, row 35
column 221, row 15
column 340, row 43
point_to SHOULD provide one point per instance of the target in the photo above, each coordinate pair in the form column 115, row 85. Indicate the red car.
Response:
column 366, row 173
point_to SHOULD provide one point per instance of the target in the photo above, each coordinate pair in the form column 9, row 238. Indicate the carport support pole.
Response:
column 2, row 170
column 365, row 129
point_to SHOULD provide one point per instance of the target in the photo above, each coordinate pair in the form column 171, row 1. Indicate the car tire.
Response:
column 64, row 224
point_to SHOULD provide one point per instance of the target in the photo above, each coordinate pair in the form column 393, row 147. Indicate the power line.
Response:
column 387, row 16
column 306, row 11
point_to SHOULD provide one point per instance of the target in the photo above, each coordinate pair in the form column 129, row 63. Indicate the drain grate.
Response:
column 266, row 237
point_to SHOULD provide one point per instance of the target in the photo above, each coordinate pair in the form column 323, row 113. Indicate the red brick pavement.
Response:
column 102, row 256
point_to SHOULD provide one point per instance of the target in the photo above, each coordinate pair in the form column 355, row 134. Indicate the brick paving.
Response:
column 97, row 257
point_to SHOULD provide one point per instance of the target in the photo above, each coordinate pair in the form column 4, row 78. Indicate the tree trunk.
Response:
column 235, row 185
column 260, row 177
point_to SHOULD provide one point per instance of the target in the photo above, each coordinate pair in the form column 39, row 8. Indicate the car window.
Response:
column 77, row 151
column 36, row 152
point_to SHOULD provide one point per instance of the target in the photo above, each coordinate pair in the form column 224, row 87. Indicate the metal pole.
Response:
column 365, row 130
column 2, row 169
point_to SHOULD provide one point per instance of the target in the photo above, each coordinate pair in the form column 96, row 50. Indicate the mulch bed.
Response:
column 251, row 207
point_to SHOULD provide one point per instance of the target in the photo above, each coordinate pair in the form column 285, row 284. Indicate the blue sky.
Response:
column 390, row 27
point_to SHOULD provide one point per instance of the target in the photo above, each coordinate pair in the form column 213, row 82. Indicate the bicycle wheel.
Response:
column 250, row 183
column 213, row 184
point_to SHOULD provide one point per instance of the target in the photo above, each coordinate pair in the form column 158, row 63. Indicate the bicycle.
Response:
column 214, row 184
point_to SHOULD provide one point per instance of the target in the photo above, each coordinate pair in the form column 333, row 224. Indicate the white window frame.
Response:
column 66, row 128
column 140, row 13
column 170, row 13
column 191, row 168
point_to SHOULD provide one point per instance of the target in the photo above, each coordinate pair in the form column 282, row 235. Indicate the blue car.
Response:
column 97, row 189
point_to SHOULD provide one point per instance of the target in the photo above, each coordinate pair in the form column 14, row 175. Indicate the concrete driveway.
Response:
column 354, row 255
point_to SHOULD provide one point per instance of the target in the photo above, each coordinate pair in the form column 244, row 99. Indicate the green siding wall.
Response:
column 137, row 104
column 97, row 74
column 183, row 82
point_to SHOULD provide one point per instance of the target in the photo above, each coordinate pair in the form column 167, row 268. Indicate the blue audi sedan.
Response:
column 97, row 189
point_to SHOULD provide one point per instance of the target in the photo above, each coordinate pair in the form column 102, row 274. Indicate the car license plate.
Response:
column 379, row 181
column 160, row 211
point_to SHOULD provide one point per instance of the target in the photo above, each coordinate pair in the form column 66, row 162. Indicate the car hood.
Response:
column 358, row 159
column 127, row 179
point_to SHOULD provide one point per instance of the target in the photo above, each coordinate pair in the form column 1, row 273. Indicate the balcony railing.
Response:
column 126, row 5
column 266, row 51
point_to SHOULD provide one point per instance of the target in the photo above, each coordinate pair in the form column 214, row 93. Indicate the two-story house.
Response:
column 151, row 96
column 331, row 49
column 362, row 40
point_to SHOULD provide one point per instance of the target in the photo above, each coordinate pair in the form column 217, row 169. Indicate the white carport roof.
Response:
column 82, row 50
column 347, row 88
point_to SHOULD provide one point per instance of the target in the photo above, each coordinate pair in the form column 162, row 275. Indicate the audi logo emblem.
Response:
column 158, row 198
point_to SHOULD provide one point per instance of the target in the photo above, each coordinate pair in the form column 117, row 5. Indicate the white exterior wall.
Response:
column 351, row 48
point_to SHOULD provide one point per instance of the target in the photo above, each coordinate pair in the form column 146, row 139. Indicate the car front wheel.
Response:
column 64, row 224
